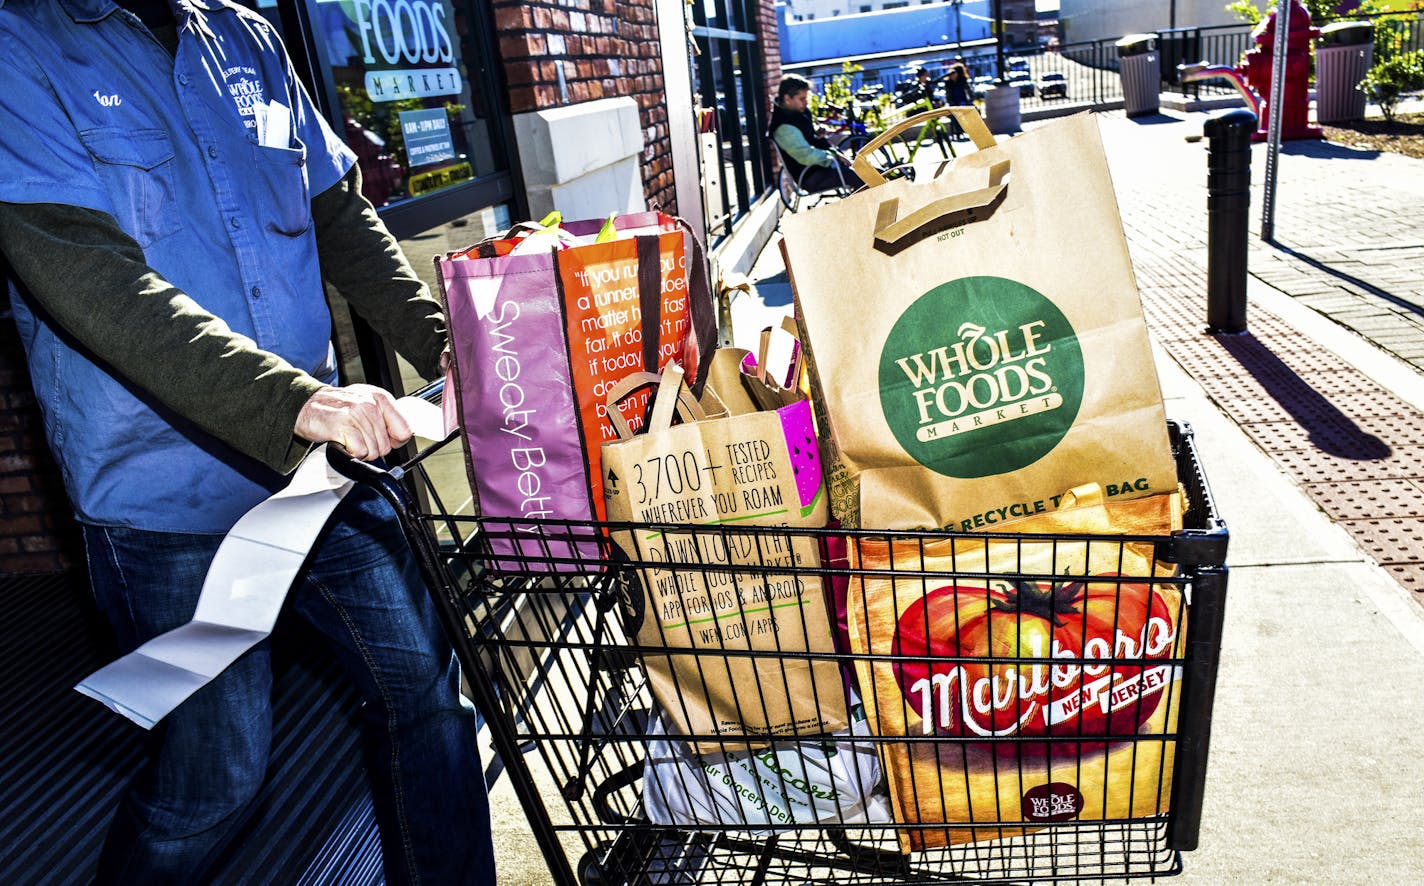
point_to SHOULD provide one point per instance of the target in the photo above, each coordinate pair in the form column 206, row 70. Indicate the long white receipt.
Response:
column 245, row 587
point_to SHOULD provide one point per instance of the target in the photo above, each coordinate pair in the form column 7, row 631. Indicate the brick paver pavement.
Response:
column 1349, row 228
column 1351, row 246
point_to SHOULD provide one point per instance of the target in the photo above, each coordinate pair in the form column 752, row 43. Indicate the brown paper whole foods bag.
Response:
column 976, row 340
column 1116, row 639
column 749, row 469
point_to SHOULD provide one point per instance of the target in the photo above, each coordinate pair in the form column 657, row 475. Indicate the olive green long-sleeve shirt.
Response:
column 90, row 279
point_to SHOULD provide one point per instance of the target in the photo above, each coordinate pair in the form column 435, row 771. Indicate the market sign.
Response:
column 407, row 48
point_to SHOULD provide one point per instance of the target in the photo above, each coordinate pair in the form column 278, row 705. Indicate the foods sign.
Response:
column 980, row 376
column 407, row 48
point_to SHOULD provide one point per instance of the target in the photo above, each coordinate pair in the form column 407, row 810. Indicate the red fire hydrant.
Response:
column 1295, row 103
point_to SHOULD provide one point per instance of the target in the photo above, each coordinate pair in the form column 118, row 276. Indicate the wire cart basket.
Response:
column 539, row 616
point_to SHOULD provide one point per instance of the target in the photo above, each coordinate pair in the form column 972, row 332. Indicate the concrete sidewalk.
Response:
column 1350, row 249
column 1308, row 427
column 1320, row 699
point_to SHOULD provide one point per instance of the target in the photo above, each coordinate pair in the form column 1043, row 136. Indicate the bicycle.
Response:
column 904, row 149
column 847, row 131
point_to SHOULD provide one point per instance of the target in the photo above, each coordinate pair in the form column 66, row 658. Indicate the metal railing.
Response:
column 1089, row 68
column 1400, row 32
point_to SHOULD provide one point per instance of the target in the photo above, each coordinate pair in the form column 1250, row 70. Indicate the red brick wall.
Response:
column 37, row 531
column 770, row 47
column 770, row 51
column 609, row 48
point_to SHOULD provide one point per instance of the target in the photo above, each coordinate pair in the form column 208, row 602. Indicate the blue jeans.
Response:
column 361, row 589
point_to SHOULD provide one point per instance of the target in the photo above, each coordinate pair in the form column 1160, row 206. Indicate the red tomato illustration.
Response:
column 963, row 670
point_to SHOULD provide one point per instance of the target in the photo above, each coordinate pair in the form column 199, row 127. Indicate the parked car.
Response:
column 1023, row 80
column 1051, row 84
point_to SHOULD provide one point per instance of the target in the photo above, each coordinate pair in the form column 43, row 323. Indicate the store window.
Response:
column 731, row 89
column 413, row 87
column 404, row 89
column 411, row 84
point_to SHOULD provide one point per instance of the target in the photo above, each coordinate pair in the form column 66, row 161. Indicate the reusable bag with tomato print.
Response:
column 1050, row 666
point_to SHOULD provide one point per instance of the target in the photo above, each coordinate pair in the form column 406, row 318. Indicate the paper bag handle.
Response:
column 890, row 230
column 1089, row 495
column 687, row 405
column 967, row 115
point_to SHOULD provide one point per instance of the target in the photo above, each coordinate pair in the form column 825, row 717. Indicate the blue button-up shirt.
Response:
column 94, row 112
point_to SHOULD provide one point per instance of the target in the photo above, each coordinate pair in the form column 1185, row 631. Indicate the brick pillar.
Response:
column 769, row 42
column 37, row 529
column 564, row 53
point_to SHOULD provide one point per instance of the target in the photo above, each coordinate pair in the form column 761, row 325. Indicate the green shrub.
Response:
column 838, row 91
column 1321, row 11
column 1389, row 80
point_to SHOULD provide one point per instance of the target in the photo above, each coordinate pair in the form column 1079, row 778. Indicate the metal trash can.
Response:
column 1343, row 57
column 1141, row 69
column 1177, row 46
column 1001, row 109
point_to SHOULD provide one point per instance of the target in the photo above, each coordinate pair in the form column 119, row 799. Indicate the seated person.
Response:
column 802, row 150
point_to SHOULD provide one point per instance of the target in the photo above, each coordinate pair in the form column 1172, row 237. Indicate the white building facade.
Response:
column 1084, row 20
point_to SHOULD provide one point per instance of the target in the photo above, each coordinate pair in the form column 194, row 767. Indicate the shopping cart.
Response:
column 537, row 613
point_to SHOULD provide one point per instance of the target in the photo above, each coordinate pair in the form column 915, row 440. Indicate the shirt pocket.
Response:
column 285, row 201
column 136, row 168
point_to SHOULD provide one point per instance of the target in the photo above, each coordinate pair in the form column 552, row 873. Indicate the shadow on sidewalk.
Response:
column 775, row 291
column 1153, row 119
column 1326, row 150
column 1340, row 275
column 1330, row 430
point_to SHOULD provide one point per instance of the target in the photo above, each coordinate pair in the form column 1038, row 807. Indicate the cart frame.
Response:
column 593, row 752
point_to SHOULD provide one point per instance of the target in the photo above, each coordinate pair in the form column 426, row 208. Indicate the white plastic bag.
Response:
column 835, row 781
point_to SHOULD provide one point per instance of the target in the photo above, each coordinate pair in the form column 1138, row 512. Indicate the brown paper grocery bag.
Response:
column 976, row 340
column 945, row 648
column 749, row 469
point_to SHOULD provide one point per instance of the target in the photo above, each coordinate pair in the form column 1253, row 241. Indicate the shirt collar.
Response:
column 94, row 10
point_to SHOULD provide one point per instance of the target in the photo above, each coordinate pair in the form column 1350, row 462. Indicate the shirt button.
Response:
column 212, row 152
column 235, row 222
column 257, row 292
column 182, row 79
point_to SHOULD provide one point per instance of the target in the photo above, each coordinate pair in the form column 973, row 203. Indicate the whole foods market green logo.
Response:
column 981, row 376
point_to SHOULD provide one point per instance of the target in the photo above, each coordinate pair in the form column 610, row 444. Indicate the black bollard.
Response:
column 1228, row 203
